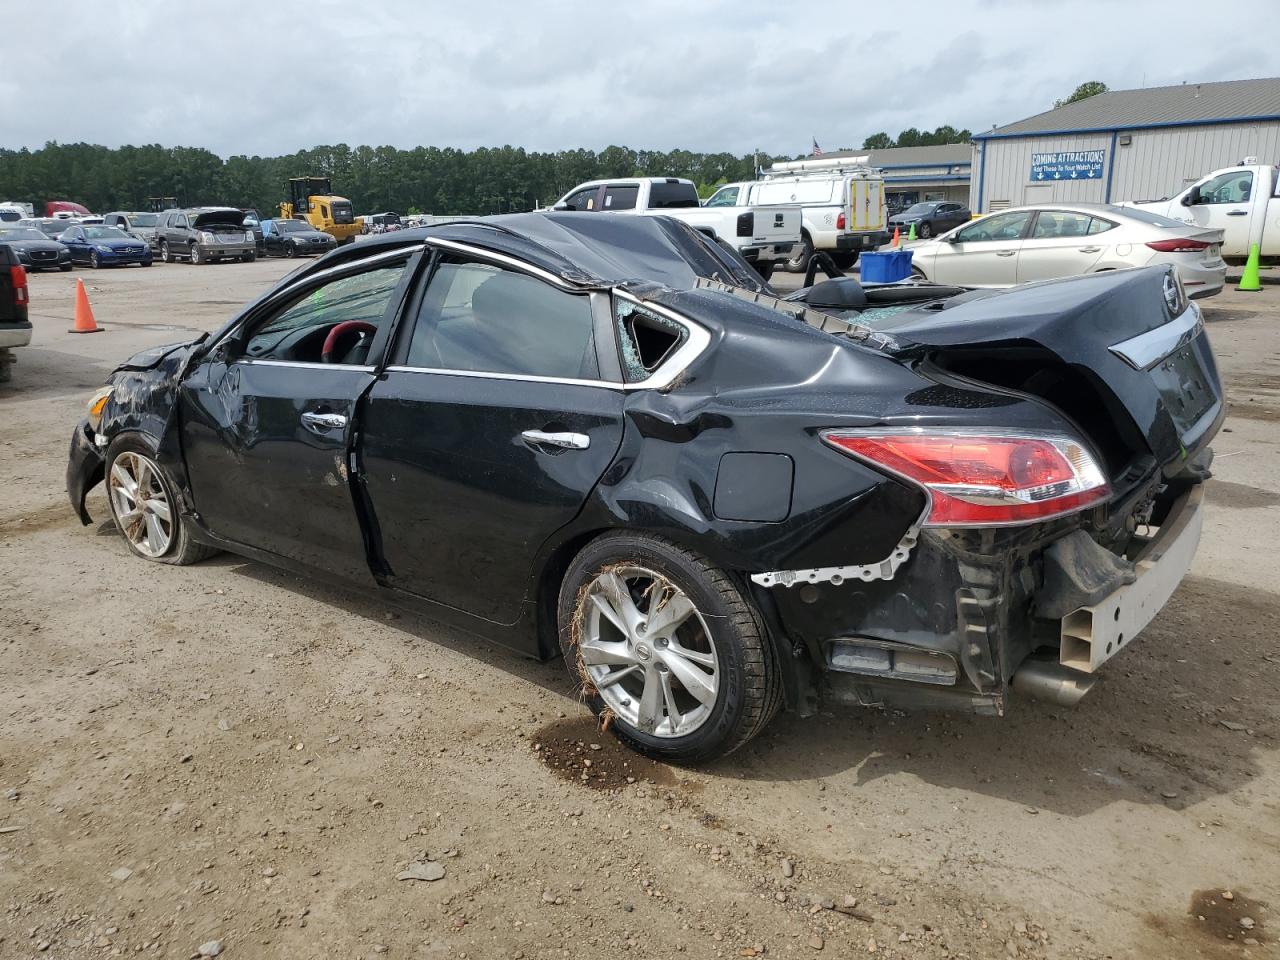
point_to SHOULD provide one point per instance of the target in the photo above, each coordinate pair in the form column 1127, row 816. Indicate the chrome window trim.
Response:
column 486, row 375
column 305, row 364
column 405, row 252
column 482, row 254
column 1147, row 349
column 679, row 361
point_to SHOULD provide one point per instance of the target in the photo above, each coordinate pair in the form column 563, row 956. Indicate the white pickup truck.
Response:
column 1243, row 202
column 842, row 199
column 764, row 236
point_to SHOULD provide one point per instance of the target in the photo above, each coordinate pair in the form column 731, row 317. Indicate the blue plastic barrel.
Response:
column 885, row 267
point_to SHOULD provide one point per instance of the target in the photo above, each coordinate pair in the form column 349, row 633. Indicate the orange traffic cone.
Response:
column 84, row 313
column 897, row 238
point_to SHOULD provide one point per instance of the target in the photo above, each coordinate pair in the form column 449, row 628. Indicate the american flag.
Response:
column 817, row 150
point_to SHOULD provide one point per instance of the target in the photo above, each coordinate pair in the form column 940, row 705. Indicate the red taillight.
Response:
column 840, row 221
column 1178, row 246
column 18, row 279
column 746, row 223
column 981, row 480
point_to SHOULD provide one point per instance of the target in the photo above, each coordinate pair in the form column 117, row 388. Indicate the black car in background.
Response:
column 51, row 227
column 931, row 218
column 606, row 439
column 294, row 238
column 34, row 250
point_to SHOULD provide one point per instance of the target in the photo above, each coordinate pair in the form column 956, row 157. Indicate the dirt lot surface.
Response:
column 227, row 753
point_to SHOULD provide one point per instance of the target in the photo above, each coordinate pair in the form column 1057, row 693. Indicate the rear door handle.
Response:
column 323, row 423
column 566, row 441
column 1237, row 213
column 1005, row 253
column 1090, row 249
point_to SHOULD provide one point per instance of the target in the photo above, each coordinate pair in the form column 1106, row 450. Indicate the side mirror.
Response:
column 952, row 238
column 1192, row 197
column 562, row 206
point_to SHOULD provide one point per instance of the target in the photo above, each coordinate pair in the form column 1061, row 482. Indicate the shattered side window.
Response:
column 645, row 338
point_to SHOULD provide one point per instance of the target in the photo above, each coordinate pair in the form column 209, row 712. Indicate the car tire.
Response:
column 918, row 274
column 64, row 267
column 844, row 259
column 146, row 263
column 165, row 255
column 926, row 231
column 131, row 457
column 249, row 257
column 194, row 254
column 93, row 259
column 290, row 249
column 800, row 262
column 715, row 713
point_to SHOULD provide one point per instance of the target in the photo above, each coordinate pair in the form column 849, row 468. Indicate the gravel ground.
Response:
column 226, row 757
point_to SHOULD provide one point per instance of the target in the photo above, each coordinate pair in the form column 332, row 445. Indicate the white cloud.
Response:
column 274, row 77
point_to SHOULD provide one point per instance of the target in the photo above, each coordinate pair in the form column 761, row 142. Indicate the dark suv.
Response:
column 205, row 235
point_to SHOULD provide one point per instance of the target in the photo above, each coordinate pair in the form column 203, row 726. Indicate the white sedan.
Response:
column 1047, row 241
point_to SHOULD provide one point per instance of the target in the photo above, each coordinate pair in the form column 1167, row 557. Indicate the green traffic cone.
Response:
column 911, row 234
column 1249, row 281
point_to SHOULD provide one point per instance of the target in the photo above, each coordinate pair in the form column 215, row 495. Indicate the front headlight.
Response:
column 102, row 248
column 96, row 404
column 206, row 237
column 248, row 236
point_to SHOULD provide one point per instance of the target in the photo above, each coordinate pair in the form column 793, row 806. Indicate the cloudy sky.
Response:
column 274, row 76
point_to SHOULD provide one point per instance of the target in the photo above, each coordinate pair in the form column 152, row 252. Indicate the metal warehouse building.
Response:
column 1126, row 144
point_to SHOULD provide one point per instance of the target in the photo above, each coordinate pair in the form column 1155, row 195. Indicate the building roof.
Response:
column 935, row 156
column 1186, row 104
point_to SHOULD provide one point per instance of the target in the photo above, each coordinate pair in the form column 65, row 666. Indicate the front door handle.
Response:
column 323, row 423
column 1237, row 213
column 566, row 441
column 1090, row 249
column 1005, row 253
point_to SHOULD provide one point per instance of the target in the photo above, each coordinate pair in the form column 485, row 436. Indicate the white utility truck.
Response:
column 1243, row 202
column 842, row 199
column 764, row 236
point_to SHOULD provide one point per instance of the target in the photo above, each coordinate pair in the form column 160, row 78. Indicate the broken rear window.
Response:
column 645, row 338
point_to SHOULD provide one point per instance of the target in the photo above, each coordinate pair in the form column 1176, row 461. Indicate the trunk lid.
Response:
column 1122, row 353
column 777, row 224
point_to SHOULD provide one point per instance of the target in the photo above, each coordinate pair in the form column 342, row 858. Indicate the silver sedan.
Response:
column 1047, row 241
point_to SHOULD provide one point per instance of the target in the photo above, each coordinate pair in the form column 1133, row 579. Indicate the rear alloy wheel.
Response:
column 164, row 252
column 196, row 258
column 93, row 259
column 666, row 647
column 144, row 507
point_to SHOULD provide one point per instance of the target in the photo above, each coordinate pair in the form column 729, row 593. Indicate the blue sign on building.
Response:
column 1067, row 165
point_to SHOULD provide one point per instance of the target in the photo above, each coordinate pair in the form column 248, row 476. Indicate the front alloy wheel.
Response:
column 144, row 506
column 93, row 259
column 290, row 249
column 141, row 504
column 926, row 231
column 667, row 648
column 196, row 258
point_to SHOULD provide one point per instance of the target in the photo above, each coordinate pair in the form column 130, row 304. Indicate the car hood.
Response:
column 150, row 358
column 228, row 217
column 34, row 244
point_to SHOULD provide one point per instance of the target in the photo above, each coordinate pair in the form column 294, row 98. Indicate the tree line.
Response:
column 441, row 181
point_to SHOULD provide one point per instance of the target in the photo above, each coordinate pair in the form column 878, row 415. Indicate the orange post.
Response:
column 84, row 313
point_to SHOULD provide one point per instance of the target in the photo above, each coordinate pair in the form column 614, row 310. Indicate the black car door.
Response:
column 268, row 415
column 501, row 409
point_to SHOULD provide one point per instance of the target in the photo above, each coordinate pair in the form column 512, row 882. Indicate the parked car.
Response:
column 142, row 225
column 15, row 327
column 1243, row 202
column 930, row 218
column 51, row 227
column 604, row 438
column 294, row 238
column 205, row 235
column 105, row 246
column 34, row 250
column 1066, row 240
column 764, row 237
column 380, row 222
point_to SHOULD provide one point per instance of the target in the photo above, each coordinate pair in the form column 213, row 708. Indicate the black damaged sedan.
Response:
column 605, row 439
